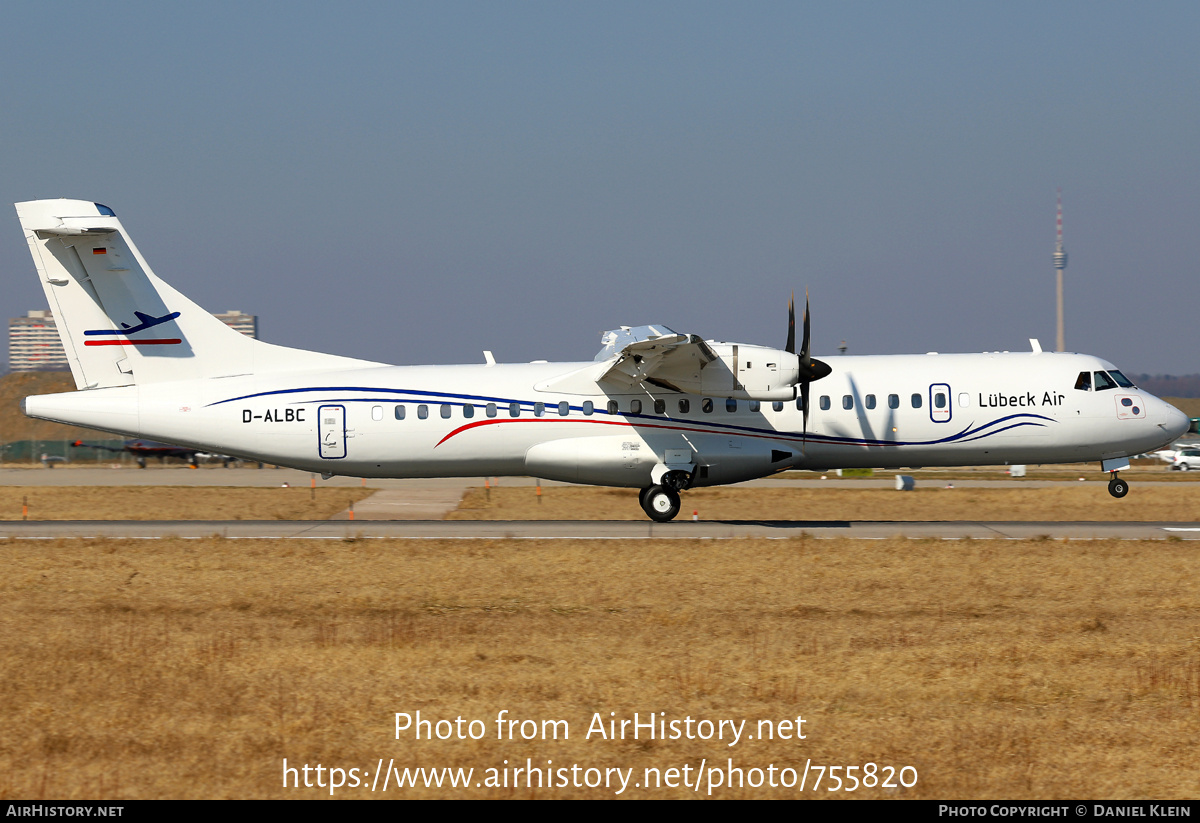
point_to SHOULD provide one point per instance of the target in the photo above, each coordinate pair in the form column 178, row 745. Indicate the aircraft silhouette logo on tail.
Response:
column 147, row 322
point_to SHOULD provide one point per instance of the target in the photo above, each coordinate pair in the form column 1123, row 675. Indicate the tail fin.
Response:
column 119, row 324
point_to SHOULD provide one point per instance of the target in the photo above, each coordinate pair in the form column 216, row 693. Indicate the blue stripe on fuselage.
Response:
column 968, row 434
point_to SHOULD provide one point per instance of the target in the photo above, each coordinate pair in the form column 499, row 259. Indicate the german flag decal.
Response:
column 100, row 251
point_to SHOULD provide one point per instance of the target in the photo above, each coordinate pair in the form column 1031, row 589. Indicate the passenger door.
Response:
column 940, row 409
column 332, row 431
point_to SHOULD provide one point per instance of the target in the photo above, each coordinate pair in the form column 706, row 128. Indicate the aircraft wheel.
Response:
column 661, row 504
column 1118, row 487
column 642, row 497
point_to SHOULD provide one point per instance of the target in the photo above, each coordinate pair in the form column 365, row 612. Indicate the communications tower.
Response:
column 1060, row 263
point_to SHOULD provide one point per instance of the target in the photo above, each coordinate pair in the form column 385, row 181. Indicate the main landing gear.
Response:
column 661, row 502
column 1117, row 487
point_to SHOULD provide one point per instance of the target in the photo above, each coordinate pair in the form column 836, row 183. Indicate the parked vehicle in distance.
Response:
column 1167, row 455
column 1187, row 460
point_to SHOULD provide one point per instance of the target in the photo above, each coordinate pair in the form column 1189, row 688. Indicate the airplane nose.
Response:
column 1176, row 422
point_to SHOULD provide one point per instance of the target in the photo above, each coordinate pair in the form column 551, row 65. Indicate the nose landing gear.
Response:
column 661, row 502
column 1117, row 487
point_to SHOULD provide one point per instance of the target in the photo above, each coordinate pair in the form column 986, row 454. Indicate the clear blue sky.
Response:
column 416, row 182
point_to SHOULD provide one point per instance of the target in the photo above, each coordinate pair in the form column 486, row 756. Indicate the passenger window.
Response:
column 754, row 405
column 685, row 406
column 730, row 404
column 847, row 401
column 824, row 402
column 612, row 406
column 399, row 412
column 893, row 401
column 1084, row 381
column 539, row 409
column 777, row 405
column 588, row 407
column 916, row 401
column 660, row 406
column 964, row 400
column 377, row 412
column 446, row 409
column 491, row 409
column 635, row 406
column 939, row 400
column 514, row 409
column 468, row 410
column 1103, row 381
column 564, row 408
column 706, row 405
column 870, row 401
column 422, row 411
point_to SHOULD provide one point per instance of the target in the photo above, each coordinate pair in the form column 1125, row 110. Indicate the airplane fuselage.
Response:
column 524, row 419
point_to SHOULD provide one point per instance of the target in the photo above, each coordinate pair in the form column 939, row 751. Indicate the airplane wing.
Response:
column 653, row 354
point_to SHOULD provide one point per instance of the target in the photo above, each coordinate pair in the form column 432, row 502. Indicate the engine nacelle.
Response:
column 746, row 372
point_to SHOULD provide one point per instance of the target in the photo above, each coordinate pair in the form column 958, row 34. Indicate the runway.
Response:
column 427, row 498
column 250, row 477
column 591, row 529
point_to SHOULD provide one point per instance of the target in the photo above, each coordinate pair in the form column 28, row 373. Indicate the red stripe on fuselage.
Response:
column 778, row 436
column 478, row 423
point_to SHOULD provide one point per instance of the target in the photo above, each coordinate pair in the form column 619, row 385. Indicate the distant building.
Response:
column 33, row 343
column 247, row 324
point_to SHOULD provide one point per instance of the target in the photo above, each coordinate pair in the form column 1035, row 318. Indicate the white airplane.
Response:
column 656, row 410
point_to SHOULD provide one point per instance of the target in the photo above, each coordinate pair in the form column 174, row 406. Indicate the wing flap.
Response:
column 655, row 355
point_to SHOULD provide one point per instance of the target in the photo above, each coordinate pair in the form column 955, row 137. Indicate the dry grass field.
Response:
column 1167, row 502
column 174, row 502
column 996, row 669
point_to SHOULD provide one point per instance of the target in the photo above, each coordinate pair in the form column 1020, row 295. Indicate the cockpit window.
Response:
column 1103, row 381
column 1122, row 381
column 1084, row 381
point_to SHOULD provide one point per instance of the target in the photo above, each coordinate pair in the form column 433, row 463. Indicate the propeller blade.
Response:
column 810, row 369
column 790, row 348
column 804, row 404
column 805, row 358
